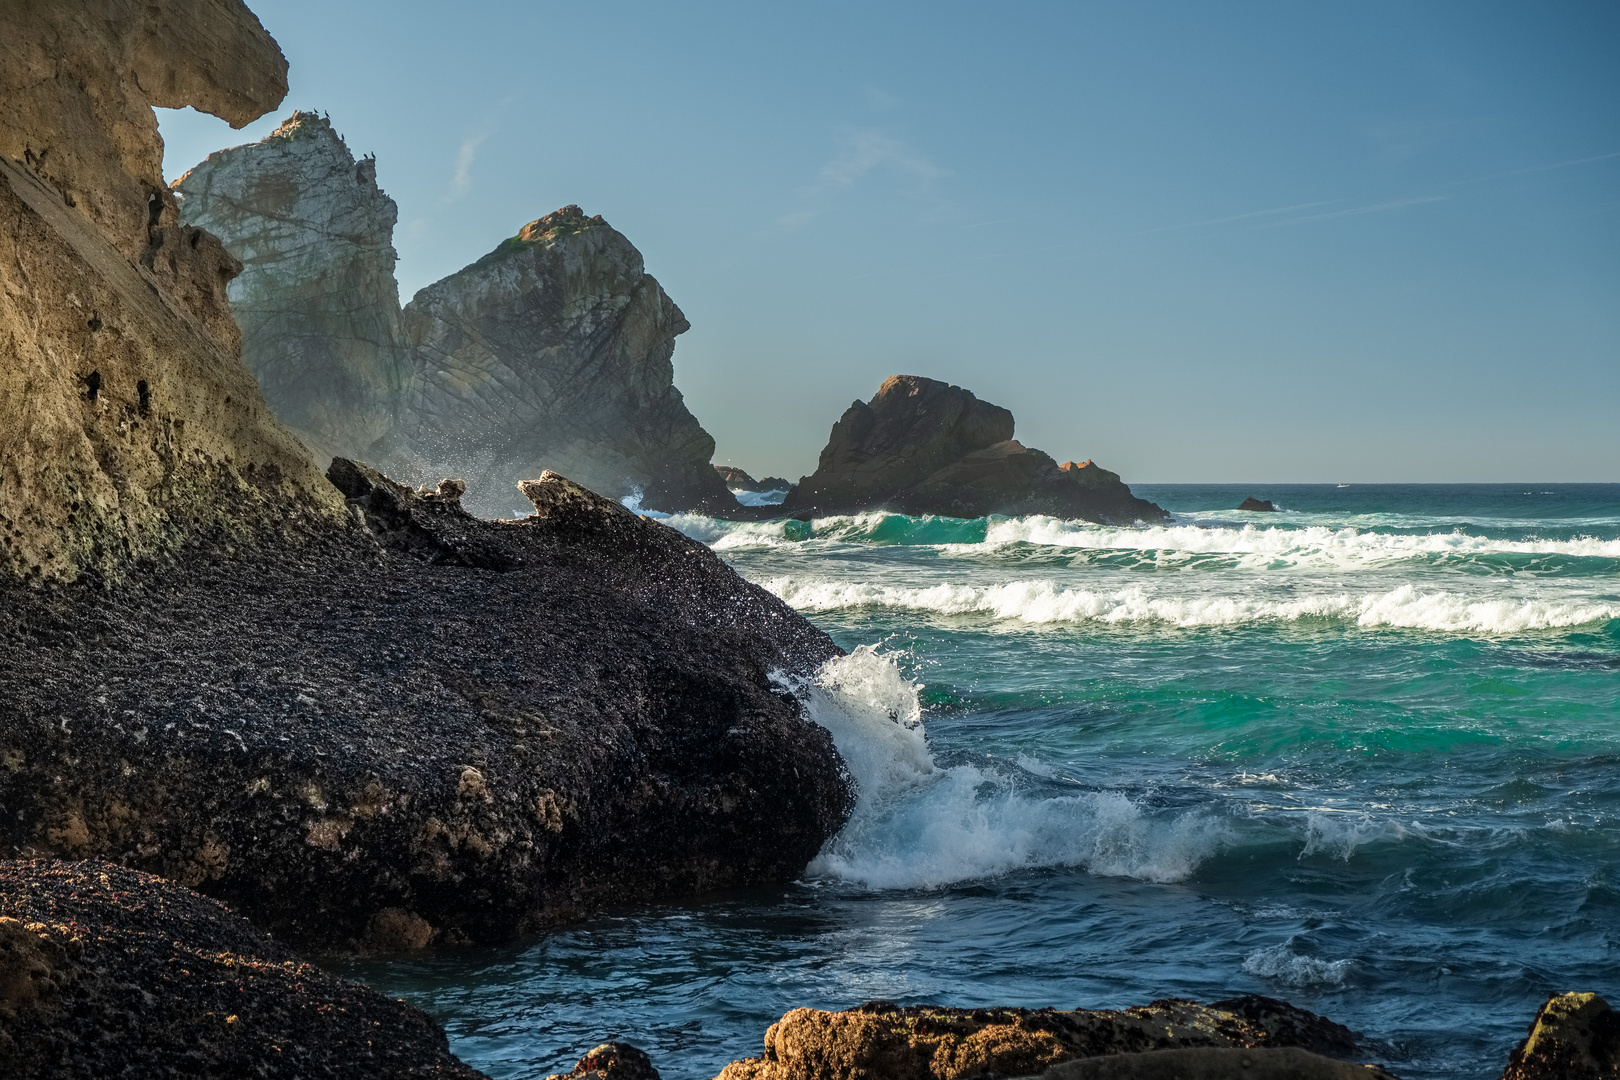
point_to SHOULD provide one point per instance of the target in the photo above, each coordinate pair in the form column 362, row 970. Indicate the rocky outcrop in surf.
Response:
column 1247, row 1037
column 921, row 446
column 1254, row 505
column 317, row 301
column 104, row 971
column 552, row 351
column 1573, row 1037
column 738, row 480
column 128, row 427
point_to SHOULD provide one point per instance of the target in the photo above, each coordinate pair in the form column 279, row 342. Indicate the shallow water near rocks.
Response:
column 1362, row 754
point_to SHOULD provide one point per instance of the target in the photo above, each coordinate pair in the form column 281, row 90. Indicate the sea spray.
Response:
column 919, row 825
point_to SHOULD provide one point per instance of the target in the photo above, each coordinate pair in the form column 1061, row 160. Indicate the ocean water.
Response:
column 1362, row 754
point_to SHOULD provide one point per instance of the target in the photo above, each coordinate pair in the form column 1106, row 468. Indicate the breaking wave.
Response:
column 1282, row 965
column 919, row 825
column 1043, row 601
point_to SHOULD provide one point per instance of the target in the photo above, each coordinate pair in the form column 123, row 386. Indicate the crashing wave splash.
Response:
column 919, row 825
column 1043, row 601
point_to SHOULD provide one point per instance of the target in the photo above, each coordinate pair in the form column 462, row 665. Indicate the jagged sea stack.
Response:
column 921, row 446
column 554, row 351
column 316, row 300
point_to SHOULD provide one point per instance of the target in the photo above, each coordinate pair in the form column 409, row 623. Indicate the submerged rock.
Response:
column 1573, row 1037
column 128, row 427
column 925, row 447
column 317, row 301
column 1263, row 506
column 435, row 728
column 109, row 972
column 925, row 1042
column 611, row 1061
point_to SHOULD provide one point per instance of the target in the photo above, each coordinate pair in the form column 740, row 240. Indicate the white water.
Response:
column 1043, row 601
column 918, row 825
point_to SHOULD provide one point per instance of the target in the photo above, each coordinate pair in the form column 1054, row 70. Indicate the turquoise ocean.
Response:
column 1362, row 754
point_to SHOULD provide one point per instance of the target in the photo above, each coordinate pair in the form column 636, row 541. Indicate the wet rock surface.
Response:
column 611, row 1061
column 1263, row 506
column 923, row 1042
column 108, row 972
column 921, row 446
column 1573, row 1037
column 433, row 728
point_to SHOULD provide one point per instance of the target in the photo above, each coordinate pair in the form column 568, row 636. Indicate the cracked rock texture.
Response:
column 128, row 426
column 435, row 728
column 554, row 351
column 881, row 1041
column 921, row 446
column 317, row 301
column 107, row 972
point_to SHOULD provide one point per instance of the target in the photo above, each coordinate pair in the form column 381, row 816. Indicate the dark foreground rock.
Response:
column 433, row 728
column 924, row 1042
column 1263, row 506
column 921, row 446
column 1573, row 1037
column 106, row 972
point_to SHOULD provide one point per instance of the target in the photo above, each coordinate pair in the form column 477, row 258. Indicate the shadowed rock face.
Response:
column 910, row 429
column 925, row 1042
column 436, row 728
column 104, row 971
column 316, row 301
column 553, row 351
column 128, row 426
column 925, row 447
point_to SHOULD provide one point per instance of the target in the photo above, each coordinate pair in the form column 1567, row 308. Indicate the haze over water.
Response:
column 1362, row 754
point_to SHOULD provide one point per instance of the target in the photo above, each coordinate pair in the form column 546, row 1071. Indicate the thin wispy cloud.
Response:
column 1352, row 211
column 1272, row 212
column 858, row 155
column 466, row 154
column 1536, row 169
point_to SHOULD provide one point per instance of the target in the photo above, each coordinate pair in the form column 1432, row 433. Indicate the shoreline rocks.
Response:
column 737, row 480
column 1573, row 1037
column 103, row 969
column 921, row 446
column 1252, row 504
column 925, row 1042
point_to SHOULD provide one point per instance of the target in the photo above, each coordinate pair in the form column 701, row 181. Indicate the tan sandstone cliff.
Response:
column 128, row 425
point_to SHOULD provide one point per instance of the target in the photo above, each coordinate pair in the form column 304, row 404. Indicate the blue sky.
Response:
column 1351, row 242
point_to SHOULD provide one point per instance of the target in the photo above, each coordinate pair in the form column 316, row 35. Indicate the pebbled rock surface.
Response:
column 316, row 301
column 435, row 728
column 554, row 352
column 925, row 1042
column 1573, row 1037
column 109, row 972
column 128, row 426
column 921, row 446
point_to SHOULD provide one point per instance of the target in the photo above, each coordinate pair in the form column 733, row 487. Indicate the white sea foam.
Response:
column 917, row 825
column 1043, row 601
column 1315, row 540
column 1281, row 964
column 1339, row 835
